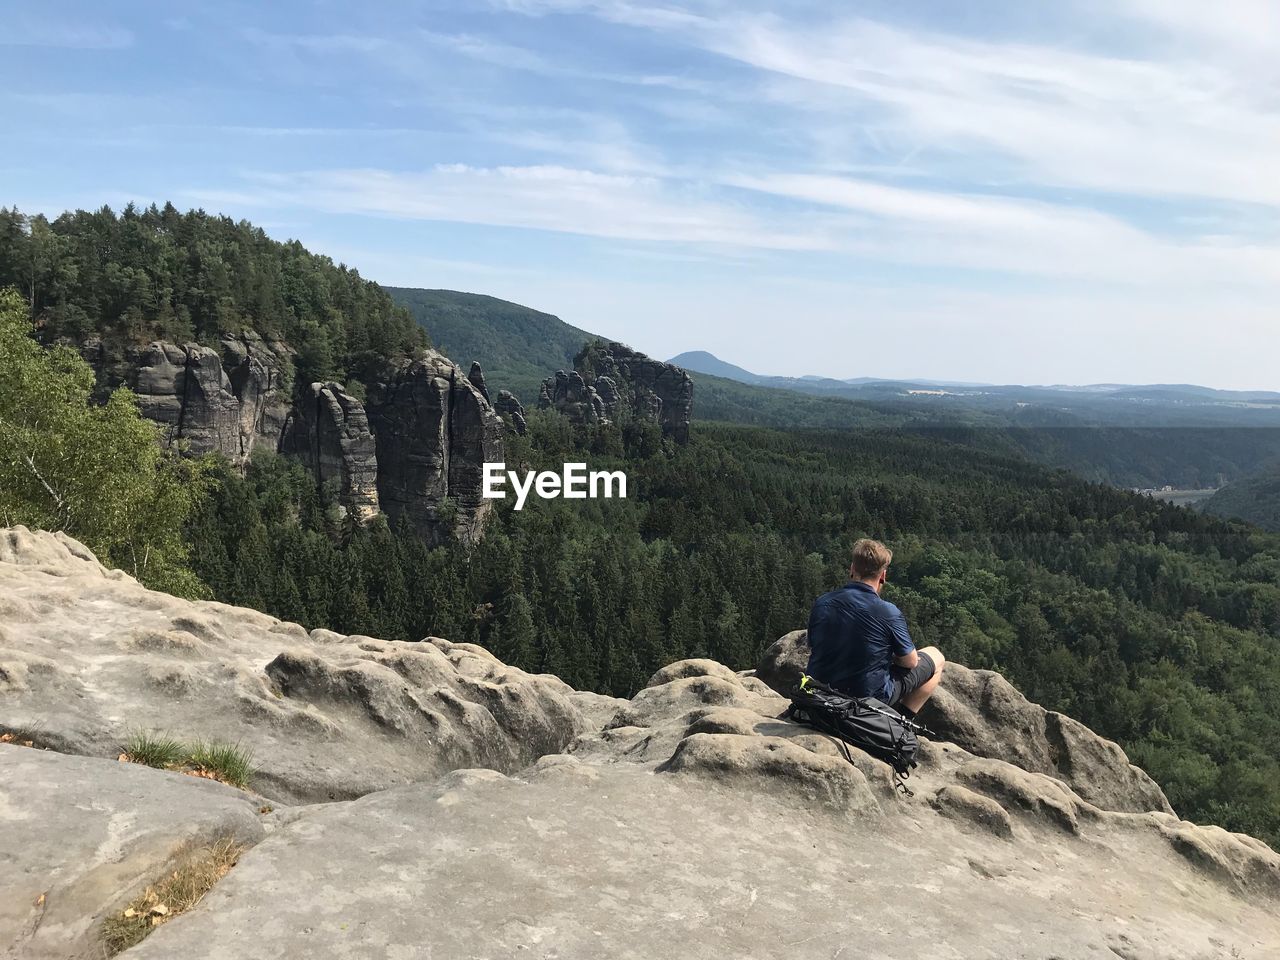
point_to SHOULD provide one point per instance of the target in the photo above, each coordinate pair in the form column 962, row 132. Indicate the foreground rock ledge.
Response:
column 80, row 837
column 689, row 821
column 88, row 656
column 575, row 860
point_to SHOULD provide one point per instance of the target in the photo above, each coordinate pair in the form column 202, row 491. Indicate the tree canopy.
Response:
column 93, row 470
column 162, row 274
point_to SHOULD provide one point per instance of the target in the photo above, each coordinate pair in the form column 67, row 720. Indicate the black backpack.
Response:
column 864, row 722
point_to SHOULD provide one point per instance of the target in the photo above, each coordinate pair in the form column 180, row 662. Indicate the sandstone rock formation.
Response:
column 87, row 657
column 435, row 431
column 328, row 431
column 649, row 389
column 611, row 382
column 94, row 834
column 417, row 452
column 476, row 376
column 983, row 713
column 231, row 401
column 570, row 395
column 511, row 410
column 689, row 821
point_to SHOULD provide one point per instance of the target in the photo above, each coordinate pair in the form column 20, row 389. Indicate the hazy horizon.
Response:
column 1073, row 195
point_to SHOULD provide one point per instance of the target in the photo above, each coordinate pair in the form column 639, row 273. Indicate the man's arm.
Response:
column 904, row 649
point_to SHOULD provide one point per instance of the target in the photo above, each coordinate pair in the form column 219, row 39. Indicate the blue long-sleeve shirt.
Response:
column 854, row 636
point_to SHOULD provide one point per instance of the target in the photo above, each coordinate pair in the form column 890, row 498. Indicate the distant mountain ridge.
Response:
column 703, row 361
column 516, row 345
column 1141, row 436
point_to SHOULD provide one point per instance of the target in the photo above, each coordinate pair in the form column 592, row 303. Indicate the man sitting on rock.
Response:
column 859, row 643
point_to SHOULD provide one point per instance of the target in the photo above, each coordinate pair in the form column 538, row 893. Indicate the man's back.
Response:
column 854, row 636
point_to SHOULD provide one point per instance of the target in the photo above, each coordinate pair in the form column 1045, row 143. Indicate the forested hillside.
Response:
column 161, row 274
column 517, row 346
column 1255, row 498
column 1155, row 625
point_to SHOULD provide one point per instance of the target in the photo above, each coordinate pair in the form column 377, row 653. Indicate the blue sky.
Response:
column 1013, row 192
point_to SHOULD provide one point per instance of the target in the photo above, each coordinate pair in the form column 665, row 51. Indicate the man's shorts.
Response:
column 908, row 681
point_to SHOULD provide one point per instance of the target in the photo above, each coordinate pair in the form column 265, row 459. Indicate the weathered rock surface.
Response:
column 983, row 713
column 649, row 389
column 417, row 450
column 435, row 430
column 785, row 661
column 476, row 376
column 80, row 837
column 611, row 382
column 231, row 400
column 511, row 410
column 88, row 657
column 328, row 431
column 568, row 394
column 576, row 860
column 688, row 821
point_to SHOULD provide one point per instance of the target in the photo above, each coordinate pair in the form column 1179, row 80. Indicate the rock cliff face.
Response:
column 511, row 410
column 416, row 452
column 231, row 401
column 435, row 430
column 688, row 821
column 570, row 395
column 328, row 430
column 611, row 382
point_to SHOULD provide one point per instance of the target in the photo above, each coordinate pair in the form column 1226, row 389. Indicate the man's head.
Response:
column 870, row 562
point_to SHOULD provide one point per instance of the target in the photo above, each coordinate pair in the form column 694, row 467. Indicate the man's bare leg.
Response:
column 917, row 698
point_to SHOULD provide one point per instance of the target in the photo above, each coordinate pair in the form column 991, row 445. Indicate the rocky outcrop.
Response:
column 688, row 821
column 328, row 431
column 476, row 376
column 94, row 834
column 511, row 410
column 435, row 430
column 983, row 713
column 88, row 657
column 568, row 394
column 632, row 384
column 231, row 400
column 612, row 383
column 416, row 452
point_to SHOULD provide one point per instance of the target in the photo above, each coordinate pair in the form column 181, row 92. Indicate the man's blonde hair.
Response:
column 870, row 557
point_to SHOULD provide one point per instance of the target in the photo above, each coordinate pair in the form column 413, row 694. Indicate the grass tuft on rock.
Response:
column 228, row 762
column 154, row 750
column 177, row 893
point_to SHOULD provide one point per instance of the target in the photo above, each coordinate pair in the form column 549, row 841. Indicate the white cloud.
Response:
column 1189, row 119
column 1053, row 116
column 1249, row 27
column 318, row 43
column 1004, row 234
column 553, row 198
column 22, row 32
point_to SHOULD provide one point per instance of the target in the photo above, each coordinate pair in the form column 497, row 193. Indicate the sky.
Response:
column 1011, row 192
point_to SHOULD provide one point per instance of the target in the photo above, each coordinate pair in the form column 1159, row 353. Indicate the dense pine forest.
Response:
column 1155, row 625
column 161, row 274
column 1255, row 498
